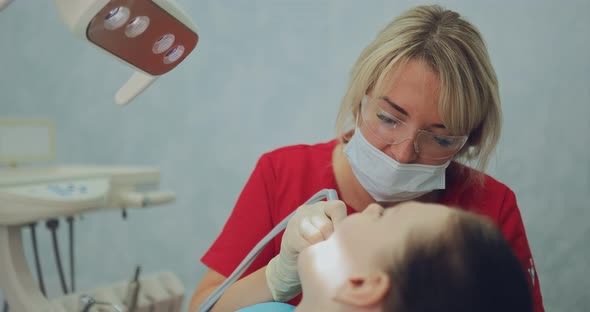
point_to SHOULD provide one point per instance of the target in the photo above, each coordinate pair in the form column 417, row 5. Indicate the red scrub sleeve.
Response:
column 512, row 227
column 248, row 223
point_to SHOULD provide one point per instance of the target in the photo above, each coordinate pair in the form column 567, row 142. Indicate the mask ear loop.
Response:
column 362, row 105
column 356, row 121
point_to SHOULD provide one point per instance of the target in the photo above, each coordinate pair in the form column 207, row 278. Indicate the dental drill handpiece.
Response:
column 133, row 291
column 328, row 194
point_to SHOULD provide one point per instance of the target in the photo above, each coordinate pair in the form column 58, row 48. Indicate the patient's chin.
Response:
column 322, row 267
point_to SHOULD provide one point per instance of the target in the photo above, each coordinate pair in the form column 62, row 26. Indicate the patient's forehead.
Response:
column 371, row 240
column 416, row 219
column 416, row 213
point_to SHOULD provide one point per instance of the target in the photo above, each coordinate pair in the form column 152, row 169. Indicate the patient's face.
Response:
column 366, row 241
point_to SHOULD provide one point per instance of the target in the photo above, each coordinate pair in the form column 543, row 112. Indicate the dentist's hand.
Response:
column 310, row 224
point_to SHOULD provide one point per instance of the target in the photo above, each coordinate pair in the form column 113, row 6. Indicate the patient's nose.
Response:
column 374, row 209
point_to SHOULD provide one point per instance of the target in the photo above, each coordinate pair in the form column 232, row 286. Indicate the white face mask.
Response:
column 388, row 180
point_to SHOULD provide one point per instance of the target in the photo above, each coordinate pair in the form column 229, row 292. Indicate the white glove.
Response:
column 309, row 225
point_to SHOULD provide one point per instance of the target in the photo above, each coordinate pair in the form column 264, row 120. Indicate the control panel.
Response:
column 31, row 202
column 67, row 191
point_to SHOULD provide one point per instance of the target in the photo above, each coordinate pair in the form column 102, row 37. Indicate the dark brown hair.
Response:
column 467, row 267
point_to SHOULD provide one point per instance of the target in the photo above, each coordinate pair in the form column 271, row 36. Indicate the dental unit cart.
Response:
column 28, row 195
column 35, row 194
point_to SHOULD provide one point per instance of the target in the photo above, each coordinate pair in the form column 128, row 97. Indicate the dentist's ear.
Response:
column 364, row 290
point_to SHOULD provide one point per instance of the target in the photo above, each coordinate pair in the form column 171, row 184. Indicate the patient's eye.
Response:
column 380, row 213
column 393, row 210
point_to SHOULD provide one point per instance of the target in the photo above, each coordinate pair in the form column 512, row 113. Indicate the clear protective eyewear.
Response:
column 393, row 130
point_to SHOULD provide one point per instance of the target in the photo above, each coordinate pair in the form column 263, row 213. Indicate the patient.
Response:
column 433, row 259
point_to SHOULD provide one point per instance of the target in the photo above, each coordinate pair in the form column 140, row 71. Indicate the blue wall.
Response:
column 272, row 73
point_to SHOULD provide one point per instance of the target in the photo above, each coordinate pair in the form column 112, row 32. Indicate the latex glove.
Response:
column 309, row 225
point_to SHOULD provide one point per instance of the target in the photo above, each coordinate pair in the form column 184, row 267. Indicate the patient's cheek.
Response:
column 351, row 230
column 323, row 265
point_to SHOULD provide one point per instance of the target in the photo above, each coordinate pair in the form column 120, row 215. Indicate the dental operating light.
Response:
column 151, row 36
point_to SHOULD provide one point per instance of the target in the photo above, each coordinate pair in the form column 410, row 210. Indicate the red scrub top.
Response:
column 287, row 177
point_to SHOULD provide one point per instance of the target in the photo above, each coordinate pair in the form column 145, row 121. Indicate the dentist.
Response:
column 419, row 121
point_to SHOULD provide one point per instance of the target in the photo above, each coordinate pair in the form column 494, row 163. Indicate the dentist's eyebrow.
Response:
column 405, row 113
column 395, row 106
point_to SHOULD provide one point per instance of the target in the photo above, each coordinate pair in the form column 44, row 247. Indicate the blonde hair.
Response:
column 469, row 101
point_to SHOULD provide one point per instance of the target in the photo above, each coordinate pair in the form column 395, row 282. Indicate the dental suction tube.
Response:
column 328, row 194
